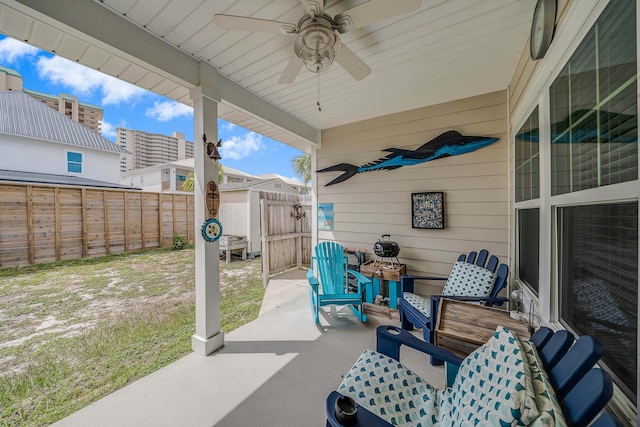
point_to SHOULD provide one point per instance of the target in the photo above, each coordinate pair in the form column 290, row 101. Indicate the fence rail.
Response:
column 43, row 224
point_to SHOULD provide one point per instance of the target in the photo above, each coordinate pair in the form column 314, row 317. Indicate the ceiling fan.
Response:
column 317, row 35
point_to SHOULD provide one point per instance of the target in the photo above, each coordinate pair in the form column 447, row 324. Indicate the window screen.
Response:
column 599, row 281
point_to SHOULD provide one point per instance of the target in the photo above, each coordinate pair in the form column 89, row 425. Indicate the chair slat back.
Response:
column 555, row 348
column 588, row 397
column 482, row 257
column 576, row 362
column 493, row 263
column 501, row 279
column 331, row 262
column 541, row 337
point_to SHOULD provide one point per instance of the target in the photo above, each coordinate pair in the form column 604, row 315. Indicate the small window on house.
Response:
column 74, row 162
column 527, row 147
column 528, row 247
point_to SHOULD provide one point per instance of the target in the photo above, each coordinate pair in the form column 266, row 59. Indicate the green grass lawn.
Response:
column 73, row 332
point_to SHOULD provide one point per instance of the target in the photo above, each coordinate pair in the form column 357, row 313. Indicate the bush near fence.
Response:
column 49, row 223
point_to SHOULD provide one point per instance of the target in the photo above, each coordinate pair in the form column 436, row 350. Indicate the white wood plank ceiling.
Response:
column 446, row 50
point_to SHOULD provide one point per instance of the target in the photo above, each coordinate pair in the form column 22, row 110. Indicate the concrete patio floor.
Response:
column 274, row 371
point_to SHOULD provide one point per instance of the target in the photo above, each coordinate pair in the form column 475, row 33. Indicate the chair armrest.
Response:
column 362, row 280
column 313, row 281
column 390, row 338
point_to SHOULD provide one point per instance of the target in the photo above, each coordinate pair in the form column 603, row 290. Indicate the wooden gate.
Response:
column 285, row 230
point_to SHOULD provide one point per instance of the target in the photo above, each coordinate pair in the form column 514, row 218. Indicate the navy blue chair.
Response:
column 586, row 390
column 419, row 312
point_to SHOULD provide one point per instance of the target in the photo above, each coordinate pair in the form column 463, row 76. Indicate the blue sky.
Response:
column 131, row 107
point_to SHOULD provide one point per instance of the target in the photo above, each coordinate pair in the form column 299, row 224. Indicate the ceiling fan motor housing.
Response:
column 316, row 43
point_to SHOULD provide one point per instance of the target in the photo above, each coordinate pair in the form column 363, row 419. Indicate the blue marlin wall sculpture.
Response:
column 450, row 143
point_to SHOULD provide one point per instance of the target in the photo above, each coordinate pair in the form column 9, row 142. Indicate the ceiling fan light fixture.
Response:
column 316, row 44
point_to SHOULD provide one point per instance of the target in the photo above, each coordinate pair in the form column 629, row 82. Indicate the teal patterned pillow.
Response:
column 493, row 386
column 469, row 280
column 546, row 400
column 388, row 389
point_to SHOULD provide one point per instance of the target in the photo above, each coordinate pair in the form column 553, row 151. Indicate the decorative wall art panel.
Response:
column 450, row 143
column 427, row 210
column 325, row 216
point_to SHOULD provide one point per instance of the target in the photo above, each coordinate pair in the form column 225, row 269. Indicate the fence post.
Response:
column 105, row 203
column 85, row 226
column 56, row 207
column 126, row 221
column 32, row 255
column 264, row 243
column 160, row 236
column 142, row 237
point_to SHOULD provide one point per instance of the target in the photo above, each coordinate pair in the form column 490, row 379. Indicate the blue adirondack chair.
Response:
column 392, row 392
column 419, row 312
column 330, row 280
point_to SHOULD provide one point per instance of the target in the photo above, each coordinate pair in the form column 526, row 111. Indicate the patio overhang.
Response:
column 110, row 43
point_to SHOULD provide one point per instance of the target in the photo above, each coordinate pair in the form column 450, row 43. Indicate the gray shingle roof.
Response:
column 21, row 114
column 47, row 178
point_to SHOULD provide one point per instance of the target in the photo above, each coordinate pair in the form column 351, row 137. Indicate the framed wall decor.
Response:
column 427, row 210
column 325, row 216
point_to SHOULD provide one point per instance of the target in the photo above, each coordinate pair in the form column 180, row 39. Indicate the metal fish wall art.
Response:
column 450, row 143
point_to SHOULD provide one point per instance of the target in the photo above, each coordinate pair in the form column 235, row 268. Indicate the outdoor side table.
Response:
column 379, row 271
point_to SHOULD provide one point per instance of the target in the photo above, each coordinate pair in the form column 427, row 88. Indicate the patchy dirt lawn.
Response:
column 39, row 304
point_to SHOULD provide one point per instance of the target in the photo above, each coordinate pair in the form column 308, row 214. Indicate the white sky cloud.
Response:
column 12, row 50
column 84, row 81
column 108, row 130
column 163, row 111
column 241, row 146
column 227, row 126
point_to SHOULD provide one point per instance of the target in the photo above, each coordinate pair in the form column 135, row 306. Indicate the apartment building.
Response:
column 90, row 116
column 151, row 149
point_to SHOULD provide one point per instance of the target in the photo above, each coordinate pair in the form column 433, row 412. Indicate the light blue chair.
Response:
column 330, row 280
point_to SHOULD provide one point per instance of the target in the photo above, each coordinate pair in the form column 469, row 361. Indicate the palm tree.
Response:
column 189, row 183
column 302, row 167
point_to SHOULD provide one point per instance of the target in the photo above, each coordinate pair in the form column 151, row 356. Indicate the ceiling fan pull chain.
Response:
column 318, row 92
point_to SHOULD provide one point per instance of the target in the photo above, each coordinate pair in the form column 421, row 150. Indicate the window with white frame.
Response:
column 594, row 143
column 527, row 171
column 74, row 162
column 589, row 142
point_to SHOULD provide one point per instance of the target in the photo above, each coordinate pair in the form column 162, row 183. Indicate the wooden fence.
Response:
column 43, row 224
column 286, row 237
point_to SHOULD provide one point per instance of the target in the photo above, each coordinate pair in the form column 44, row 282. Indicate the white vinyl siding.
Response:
column 374, row 203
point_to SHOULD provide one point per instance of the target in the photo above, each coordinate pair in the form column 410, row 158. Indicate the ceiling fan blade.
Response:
column 374, row 11
column 291, row 71
column 244, row 23
column 313, row 7
column 352, row 63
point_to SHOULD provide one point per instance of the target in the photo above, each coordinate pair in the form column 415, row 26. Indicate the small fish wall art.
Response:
column 450, row 143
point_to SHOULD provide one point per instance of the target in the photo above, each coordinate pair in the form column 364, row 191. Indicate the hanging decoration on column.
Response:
column 212, row 149
column 212, row 228
column 450, row 143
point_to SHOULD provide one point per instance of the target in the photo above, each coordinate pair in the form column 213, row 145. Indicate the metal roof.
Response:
column 46, row 178
column 250, row 184
column 21, row 114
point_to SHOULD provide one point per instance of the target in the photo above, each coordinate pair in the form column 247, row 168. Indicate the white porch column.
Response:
column 208, row 337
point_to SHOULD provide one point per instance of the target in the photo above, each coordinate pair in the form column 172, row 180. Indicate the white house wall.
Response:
column 30, row 155
column 233, row 212
column 475, row 185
